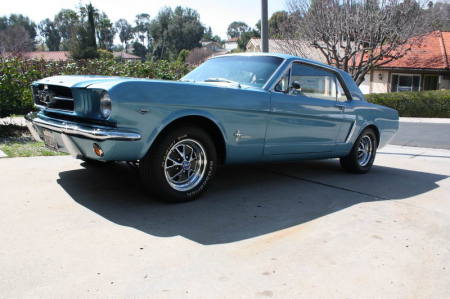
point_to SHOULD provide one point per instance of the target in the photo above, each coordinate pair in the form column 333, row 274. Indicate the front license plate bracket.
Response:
column 50, row 140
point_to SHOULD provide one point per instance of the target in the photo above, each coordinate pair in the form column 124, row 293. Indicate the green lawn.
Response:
column 27, row 149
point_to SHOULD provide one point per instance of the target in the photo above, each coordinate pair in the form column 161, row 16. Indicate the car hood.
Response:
column 77, row 81
column 108, row 82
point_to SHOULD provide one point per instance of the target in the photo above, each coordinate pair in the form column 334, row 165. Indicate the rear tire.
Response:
column 362, row 155
column 180, row 165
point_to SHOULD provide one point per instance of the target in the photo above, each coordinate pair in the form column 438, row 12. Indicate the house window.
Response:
column 405, row 82
column 430, row 82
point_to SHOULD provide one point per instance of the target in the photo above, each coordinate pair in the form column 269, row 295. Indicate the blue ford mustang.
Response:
column 231, row 109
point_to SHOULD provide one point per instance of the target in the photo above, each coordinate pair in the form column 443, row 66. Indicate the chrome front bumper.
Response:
column 70, row 128
column 63, row 131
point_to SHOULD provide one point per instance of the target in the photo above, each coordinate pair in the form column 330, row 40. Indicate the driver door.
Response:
column 305, row 116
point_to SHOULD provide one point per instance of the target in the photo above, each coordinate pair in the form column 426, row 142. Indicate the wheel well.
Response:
column 377, row 133
column 205, row 124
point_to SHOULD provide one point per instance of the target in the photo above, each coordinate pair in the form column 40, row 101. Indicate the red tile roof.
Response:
column 64, row 55
column 46, row 55
column 429, row 51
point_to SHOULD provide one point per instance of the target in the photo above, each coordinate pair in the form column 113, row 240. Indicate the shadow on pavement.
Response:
column 244, row 201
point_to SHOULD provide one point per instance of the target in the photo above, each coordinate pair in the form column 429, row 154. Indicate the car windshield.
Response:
column 246, row 70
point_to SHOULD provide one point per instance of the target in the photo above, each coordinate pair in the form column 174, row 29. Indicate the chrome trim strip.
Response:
column 96, row 133
column 59, row 98
column 350, row 134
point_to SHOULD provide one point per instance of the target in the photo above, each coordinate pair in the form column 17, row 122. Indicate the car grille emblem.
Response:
column 45, row 96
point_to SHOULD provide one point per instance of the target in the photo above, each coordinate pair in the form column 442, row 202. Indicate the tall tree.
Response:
column 208, row 35
column 105, row 32
column 50, row 33
column 3, row 22
column 91, row 27
column 142, row 27
column 276, row 23
column 236, row 28
column 186, row 30
column 173, row 31
column 354, row 35
column 139, row 49
column 125, row 31
column 158, row 30
column 85, row 44
column 25, row 22
column 67, row 22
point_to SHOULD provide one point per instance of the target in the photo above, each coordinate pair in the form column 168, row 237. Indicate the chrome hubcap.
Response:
column 365, row 150
column 185, row 165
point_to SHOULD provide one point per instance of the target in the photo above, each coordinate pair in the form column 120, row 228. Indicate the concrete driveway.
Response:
column 298, row 230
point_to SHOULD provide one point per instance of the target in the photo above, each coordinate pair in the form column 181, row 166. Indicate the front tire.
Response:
column 362, row 155
column 180, row 165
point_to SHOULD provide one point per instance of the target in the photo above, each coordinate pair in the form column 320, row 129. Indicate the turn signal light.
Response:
column 98, row 150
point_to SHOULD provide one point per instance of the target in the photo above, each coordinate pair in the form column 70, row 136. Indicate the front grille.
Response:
column 53, row 96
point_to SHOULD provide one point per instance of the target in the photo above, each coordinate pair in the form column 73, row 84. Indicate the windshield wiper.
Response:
column 222, row 80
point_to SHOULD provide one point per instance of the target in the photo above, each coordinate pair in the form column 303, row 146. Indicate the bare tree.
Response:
column 353, row 35
column 15, row 40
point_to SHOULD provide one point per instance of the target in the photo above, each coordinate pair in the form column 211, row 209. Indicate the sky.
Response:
column 215, row 13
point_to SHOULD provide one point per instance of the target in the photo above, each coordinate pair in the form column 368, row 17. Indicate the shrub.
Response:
column 17, row 74
column 433, row 103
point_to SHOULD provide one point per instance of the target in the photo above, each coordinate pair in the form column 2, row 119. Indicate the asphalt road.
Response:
column 297, row 230
column 431, row 135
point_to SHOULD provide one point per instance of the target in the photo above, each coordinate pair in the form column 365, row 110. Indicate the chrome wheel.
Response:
column 365, row 150
column 185, row 165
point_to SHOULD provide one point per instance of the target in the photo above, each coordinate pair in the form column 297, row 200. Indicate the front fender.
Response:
column 174, row 116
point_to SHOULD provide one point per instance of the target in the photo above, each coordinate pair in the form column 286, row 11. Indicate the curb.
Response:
column 424, row 120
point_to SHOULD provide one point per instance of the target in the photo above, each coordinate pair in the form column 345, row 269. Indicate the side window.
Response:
column 313, row 82
column 341, row 96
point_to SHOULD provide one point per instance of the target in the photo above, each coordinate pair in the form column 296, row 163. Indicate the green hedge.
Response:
column 435, row 103
column 17, row 74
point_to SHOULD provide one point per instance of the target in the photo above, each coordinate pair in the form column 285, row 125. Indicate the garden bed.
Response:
column 16, row 141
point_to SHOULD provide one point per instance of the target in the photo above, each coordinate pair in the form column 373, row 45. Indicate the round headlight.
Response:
column 105, row 105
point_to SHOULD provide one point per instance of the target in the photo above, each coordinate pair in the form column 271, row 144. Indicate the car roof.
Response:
column 351, row 85
column 283, row 56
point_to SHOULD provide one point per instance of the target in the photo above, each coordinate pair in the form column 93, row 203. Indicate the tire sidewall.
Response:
column 367, row 132
column 161, row 185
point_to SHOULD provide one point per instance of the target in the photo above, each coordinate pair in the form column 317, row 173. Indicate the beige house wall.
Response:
column 231, row 45
column 365, row 85
column 379, row 80
column 375, row 82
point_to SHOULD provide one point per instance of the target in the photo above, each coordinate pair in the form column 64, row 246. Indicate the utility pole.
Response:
column 264, row 27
